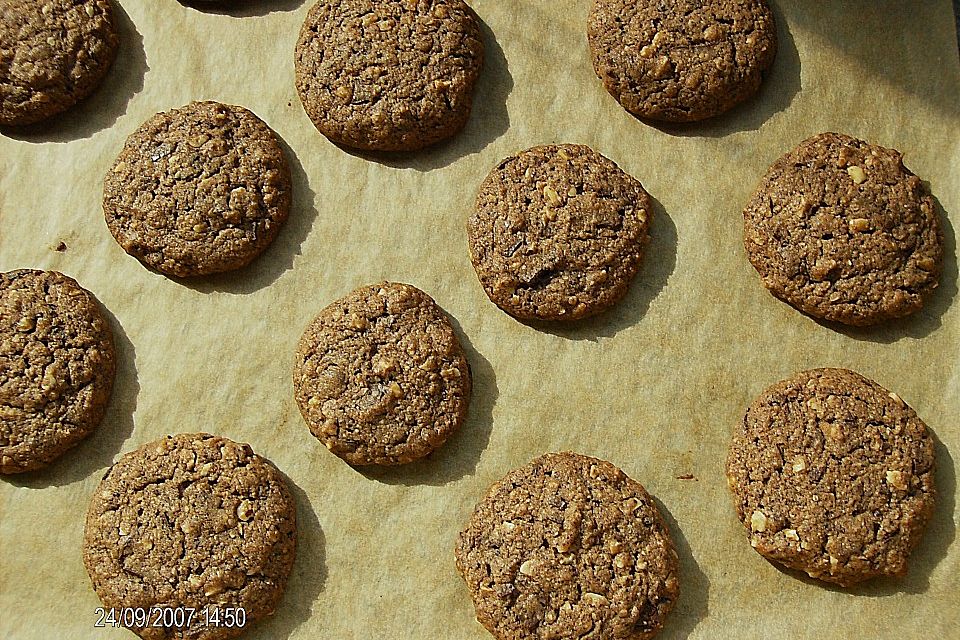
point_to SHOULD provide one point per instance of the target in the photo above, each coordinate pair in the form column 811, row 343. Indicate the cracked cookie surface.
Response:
column 57, row 365
column 568, row 546
column 380, row 376
column 841, row 230
column 833, row 475
column 558, row 232
column 191, row 521
column 53, row 53
column 388, row 75
column 198, row 190
column 681, row 60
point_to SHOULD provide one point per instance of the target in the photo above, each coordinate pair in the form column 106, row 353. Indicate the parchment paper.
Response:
column 654, row 386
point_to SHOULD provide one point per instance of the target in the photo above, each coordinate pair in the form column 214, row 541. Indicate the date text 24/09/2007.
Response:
column 171, row 617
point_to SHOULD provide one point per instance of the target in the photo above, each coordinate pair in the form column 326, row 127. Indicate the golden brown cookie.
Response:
column 53, row 53
column 380, row 376
column 57, row 364
column 198, row 190
column 558, row 232
column 568, row 546
column 840, row 229
column 833, row 475
column 388, row 75
column 191, row 522
column 681, row 60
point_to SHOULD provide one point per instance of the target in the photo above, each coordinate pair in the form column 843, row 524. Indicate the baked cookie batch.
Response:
column 831, row 473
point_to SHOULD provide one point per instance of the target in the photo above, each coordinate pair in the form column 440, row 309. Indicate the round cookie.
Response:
column 198, row 190
column 57, row 365
column 388, row 75
column 682, row 60
column 558, row 233
column 568, row 546
column 380, row 376
column 841, row 230
column 833, row 475
column 52, row 55
column 191, row 521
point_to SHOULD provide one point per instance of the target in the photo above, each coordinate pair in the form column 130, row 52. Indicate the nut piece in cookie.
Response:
column 841, row 230
column 380, row 376
column 568, row 546
column 53, row 53
column 833, row 475
column 388, row 75
column 57, row 365
column 558, row 233
column 681, row 60
column 191, row 522
column 198, row 190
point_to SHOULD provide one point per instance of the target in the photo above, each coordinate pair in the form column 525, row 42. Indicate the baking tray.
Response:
column 655, row 385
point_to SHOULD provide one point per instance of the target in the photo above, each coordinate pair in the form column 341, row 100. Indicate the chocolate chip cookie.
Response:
column 558, row 233
column 191, row 521
column 388, row 75
column 568, row 547
column 833, row 475
column 841, row 230
column 57, row 365
column 198, row 190
column 380, row 376
column 53, row 53
column 681, row 60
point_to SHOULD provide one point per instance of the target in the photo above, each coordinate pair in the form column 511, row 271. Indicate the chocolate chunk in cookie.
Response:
column 388, row 75
column 380, row 376
column 558, row 233
column 833, row 475
column 53, row 54
column 57, row 364
column 568, row 547
column 194, row 522
column 681, row 60
column 198, row 190
column 841, row 230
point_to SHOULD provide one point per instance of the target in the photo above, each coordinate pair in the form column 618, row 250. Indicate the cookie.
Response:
column 833, row 475
column 193, row 522
column 380, row 376
column 388, row 75
column 198, row 190
column 568, row 546
column 558, row 233
column 841, row 230
column 52, row 55
column 681, row 60
column 57, row 364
